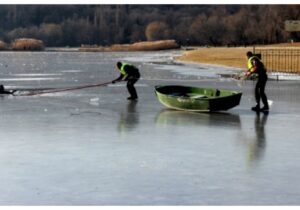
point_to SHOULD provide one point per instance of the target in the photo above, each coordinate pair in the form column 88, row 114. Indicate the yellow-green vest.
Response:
column 250, row 65
column 122, row 69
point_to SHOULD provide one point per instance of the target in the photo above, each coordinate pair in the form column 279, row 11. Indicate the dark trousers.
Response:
column 260, row 90
column 131, row 88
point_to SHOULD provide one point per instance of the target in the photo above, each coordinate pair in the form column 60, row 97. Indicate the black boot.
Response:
column 132, row 98
column 256, row 108
column 265, row 109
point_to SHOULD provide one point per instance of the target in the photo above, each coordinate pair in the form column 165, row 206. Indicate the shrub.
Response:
column 2, row 45
column 27, row 44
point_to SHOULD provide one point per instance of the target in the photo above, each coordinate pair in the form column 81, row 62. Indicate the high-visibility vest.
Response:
column 250, row 64
column 122, row 69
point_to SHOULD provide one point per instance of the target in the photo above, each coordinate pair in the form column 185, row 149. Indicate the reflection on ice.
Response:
column 183, row 118
column 256, row 143
column 257, row 147
column 80, row 112
column 129, row 118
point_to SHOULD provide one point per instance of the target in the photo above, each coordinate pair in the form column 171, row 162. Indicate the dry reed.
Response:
column 27, row 44
column 138, row 46
column 2, row 45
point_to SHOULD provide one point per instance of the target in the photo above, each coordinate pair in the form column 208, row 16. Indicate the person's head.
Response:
column 249, row 54
column 119, row 65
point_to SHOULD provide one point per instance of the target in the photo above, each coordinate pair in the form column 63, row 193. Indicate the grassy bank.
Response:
column 233, row 56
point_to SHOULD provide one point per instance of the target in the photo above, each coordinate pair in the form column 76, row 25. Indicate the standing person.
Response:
column 131, row 74
column 255, row 66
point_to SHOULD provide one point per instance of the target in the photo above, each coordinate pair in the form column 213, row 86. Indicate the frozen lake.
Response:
column 93, row 147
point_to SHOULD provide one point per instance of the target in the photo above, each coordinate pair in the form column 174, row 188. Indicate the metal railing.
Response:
column 280, row 60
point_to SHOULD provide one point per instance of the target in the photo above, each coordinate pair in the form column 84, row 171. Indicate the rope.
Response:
column 67, row 89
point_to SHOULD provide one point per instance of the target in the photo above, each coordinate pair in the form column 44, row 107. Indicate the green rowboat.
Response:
column 197, row 99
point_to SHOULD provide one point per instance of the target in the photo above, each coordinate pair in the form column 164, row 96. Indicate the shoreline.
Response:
column 227, row 57
column 221, row 56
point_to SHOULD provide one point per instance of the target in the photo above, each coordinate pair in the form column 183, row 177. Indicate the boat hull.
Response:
column 196, row 98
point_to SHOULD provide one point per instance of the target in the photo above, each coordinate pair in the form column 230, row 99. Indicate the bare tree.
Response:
column 196, row 29
column 157, row 31
column 110, row 24
column 51, row 34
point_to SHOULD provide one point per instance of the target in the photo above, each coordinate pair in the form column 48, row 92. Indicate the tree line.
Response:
column 73, row 25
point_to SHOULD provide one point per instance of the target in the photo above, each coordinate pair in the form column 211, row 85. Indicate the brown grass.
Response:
column 138, row 46
column 27, row 44
column 2, row 45
column 236, row 56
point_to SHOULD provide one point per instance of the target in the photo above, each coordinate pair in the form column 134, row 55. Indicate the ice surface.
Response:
column 93, row 147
